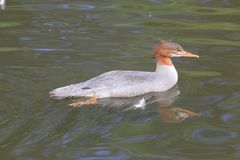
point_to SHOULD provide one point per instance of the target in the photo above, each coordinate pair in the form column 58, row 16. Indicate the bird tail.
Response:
column 63, row 92
column 73, row 90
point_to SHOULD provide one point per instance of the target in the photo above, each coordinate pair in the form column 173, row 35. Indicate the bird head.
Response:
column 167, row 49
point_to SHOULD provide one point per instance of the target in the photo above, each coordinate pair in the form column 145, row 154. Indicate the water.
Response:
column 48, row 44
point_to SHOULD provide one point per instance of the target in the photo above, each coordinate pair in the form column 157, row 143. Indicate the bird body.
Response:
column 122, row 84
column 130, row 83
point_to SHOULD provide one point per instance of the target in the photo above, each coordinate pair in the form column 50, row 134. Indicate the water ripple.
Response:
column 230, row 103
column 213, row 135
column 199, row 151
column 231, row 119
column 103, row 153
column 85, row 6
column 140, row 138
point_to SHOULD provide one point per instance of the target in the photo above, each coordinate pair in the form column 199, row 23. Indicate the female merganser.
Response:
column 129, row 83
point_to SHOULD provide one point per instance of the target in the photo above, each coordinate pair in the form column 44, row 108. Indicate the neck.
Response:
column 163, row 62
column 160, row 67
column 166, row 61
column 167, row 73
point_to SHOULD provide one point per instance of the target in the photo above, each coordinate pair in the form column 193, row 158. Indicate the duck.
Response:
column 124, row 83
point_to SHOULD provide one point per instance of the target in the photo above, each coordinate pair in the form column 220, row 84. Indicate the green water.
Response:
column 50, row 43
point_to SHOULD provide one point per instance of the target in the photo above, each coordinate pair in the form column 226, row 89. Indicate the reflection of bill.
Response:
column 172, row 114
column 2, row 4
column 168, row 113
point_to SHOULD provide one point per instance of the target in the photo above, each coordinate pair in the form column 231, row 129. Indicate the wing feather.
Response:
column 119, row 79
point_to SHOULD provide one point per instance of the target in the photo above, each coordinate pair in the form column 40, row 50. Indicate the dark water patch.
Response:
column 183, row 25
column 190, row 151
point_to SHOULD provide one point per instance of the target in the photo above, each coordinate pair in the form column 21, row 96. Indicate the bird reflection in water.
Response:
column 168, row 113
column 171, row 114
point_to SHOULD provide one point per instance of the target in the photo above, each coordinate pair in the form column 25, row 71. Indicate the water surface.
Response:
column 47, row 44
